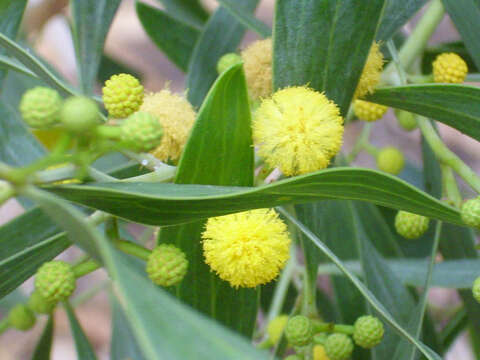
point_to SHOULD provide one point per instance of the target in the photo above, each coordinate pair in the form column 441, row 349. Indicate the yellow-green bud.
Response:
column 390, row 160
column 227, row 61
column 21, row 317
column 40, row 107
column 275, row 328
column 55, row 281
column 299, row 330
column 449, row 68
column 406, row 120
column 142, row 131
column 39, row 304
column 339, row 347
column 368, row 111
column 319, row 353
column 166, row 265
column 476, row 289
column 410, row 225
column 122, row 95
column 368, row 331
column 79, row 114
column 470, row 212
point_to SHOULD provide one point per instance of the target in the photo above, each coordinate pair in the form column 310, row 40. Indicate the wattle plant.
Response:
column 270, row 240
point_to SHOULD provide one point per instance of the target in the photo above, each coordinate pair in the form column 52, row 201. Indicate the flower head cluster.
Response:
column 371, row 72
column 470, row 212
column 410, row 225
column 167, row 265
column 40, row 107
column 176, row 115
column 257, row 63
column 122, row 95
column 298, row 130
column 368, row 111
column 248, row 248
column 55, row 281
column 449, row 68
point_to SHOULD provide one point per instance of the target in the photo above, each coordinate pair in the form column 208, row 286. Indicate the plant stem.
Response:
column 131, row 248
column 319, row 326
column 85, row 268
column 161, row 174
column 372, row 150
column 361, row 140
column 450, row 185
column 109, row 132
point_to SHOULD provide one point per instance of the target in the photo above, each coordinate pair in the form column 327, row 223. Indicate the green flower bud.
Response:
column 406, row 120
column 40, row 107
column 338, row 347
column 411, row 226
column 122, row 95
column 227, row 61
column 166, row 265
column 79, row 114
column 142, row 131
column 390, row 160
column 39, row 304
column 476, row 289
column 55, row 281
column 368, row 331
column 275, row 328
column 470, row 212
column 21, row 317
column 299, row 330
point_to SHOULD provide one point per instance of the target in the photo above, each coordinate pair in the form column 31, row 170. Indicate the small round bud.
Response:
column 319, row 353
column 166, row 265
column 299, row 330
column 390, row 160
column 470, row 212
column 257, row 64
column 40, row 107
column 449, row 68
column 79, row 114
column 368, row 111
column 39, row 304
column 338, row 347
column 142, row 131
column 275, row 328
column 122, row 95
column 406, row 120
column 21, row 317
column 476, row 289
column 410, row 225
column 227, row 61
column 55, row 281
column 368, row 331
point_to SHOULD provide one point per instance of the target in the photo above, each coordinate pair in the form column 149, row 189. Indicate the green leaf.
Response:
column 219, row 152
column 82, row 345
column 44, row 346
column 177, row 43
column 6, row 63
column 454, row 105
column 247, row 19
column 110, row 66
column 123, row 343
column 91, row 22
column 11, row 13
column 465, row 15
column 397, row 13
column 188, row 11
column 222, row 34
column 170, row 204
column 36, row 240
column 312, row 38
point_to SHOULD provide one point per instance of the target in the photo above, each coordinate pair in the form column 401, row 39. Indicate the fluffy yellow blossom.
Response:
column 371, row 72
column 449, row 68
column 176, row 116
column 368, row 111
column 319, row 353
column 248, row 248
column 257, row 63
column 298, row 130
column 275, row 328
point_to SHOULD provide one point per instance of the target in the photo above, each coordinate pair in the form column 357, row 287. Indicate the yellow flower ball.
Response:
column 298, row 130
column 257, row 63
column 319, row 353
column 275, row 328
column 371, row 72
column 122, row 95
column 449, row 68
column 176, row 116
column 368, row 111
column 248, row 248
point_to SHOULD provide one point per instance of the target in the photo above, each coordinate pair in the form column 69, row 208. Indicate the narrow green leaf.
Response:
column 397, row 13
column 91, row 22
column 177, row 43
column 247, row 19
column 312, row 38
column 219, row 152
column 6, row 63
column 222, row 34
column 189, row 11
column 82, row 345
column 169, row 204
column 44, row 346
column 465, row 15
column 110, row 66
column 454, row 105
